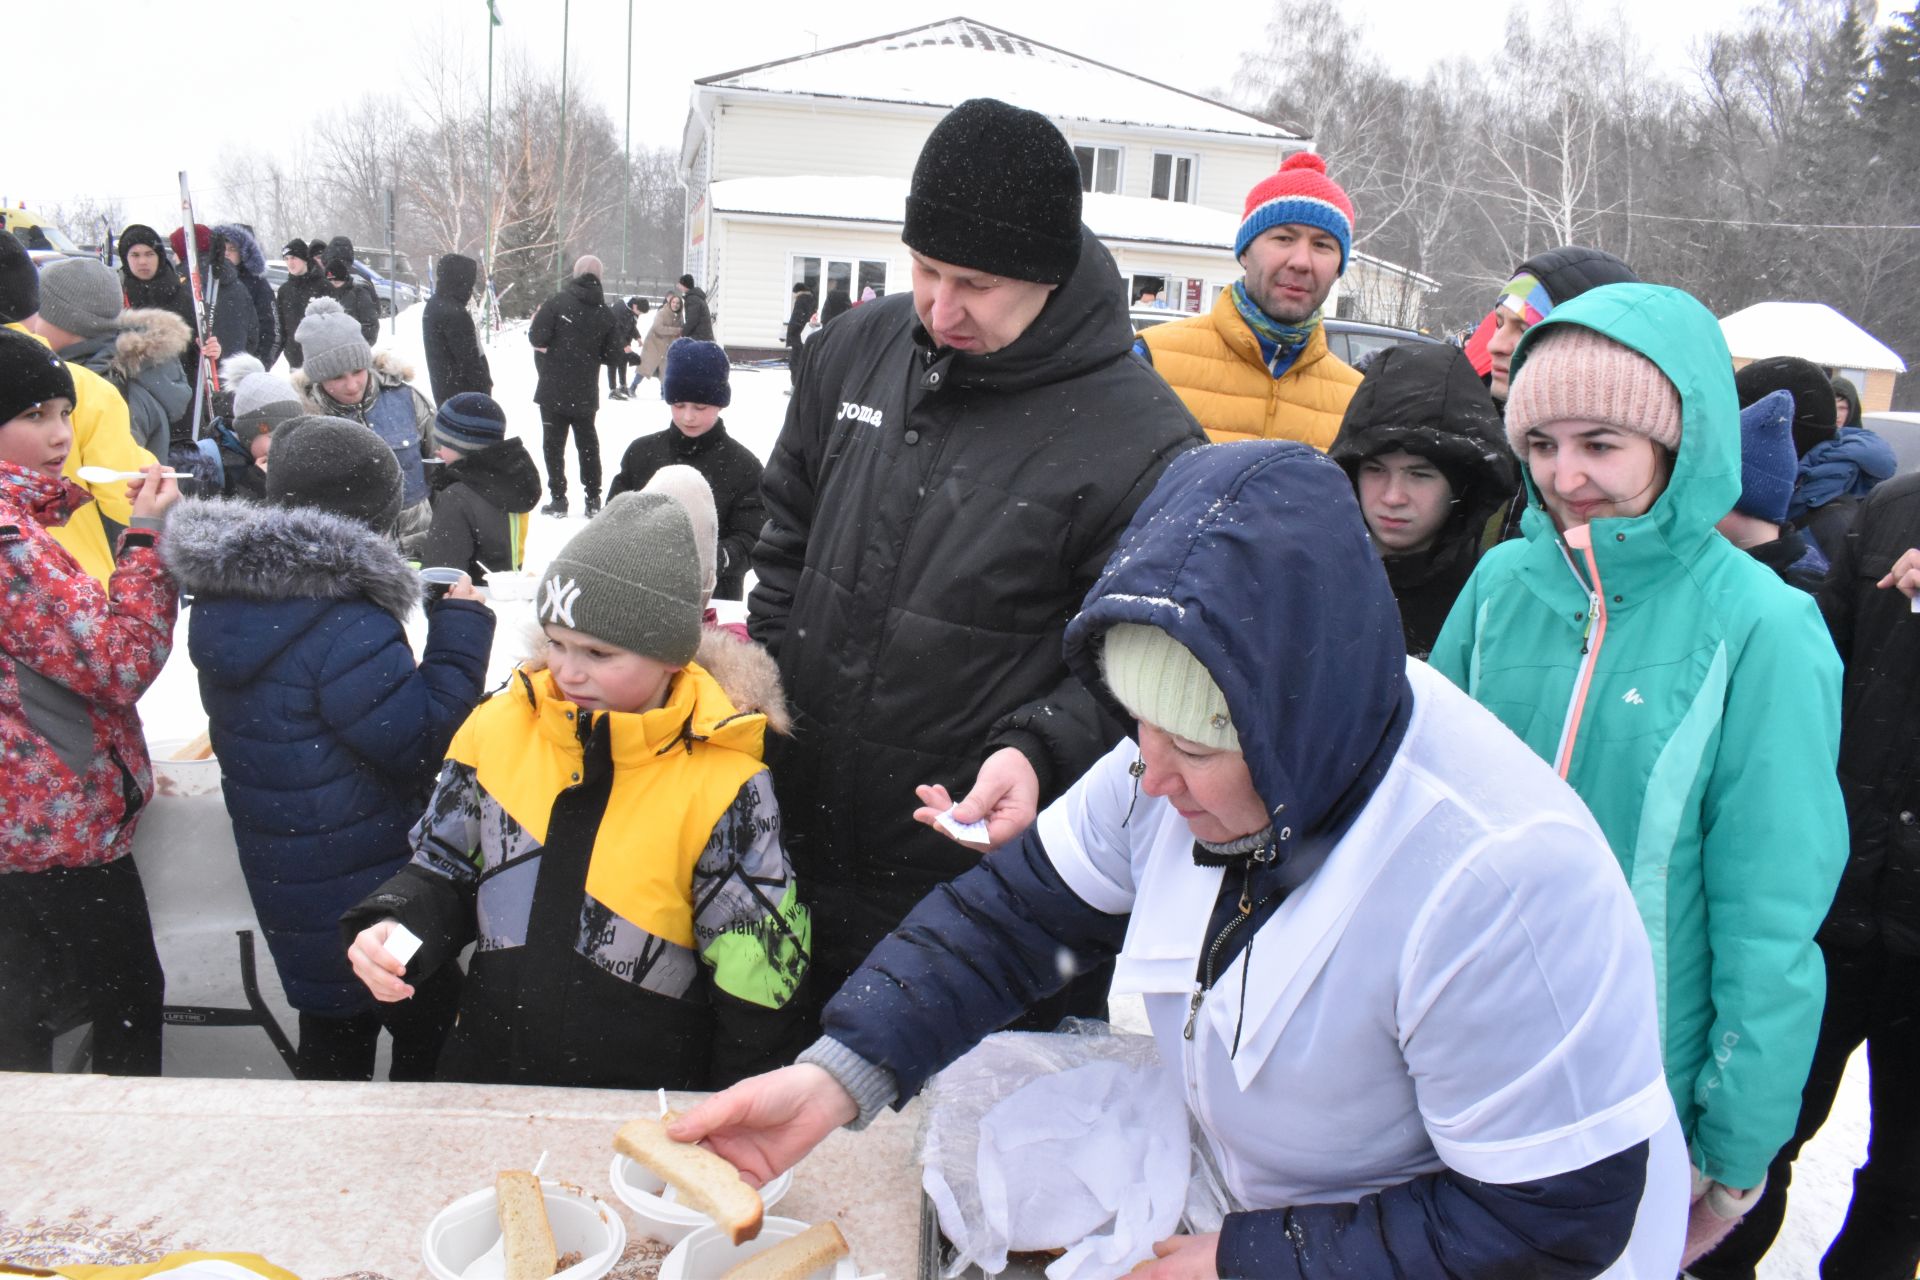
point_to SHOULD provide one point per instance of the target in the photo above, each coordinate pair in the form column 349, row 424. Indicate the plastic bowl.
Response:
column 708, row 1252
column 658, row 1206
column 508, row 585
column 469, row 1226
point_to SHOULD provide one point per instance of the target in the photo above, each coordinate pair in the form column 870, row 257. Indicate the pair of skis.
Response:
column 207, row 379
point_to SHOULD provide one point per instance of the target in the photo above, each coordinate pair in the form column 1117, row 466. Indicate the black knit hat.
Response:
column 337, row 466
column 696, row 373
column 30, row 373
column 296, row 248
column 470, row 421
column 1814, row 417
column 19, row 281
column 997, row 189
column 138, row 233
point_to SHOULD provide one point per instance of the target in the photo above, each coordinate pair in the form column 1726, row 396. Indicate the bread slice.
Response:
column 530, row 1251
column 706, row 1183
column 820, row 1245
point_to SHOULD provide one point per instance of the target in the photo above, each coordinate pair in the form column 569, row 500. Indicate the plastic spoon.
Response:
column 107, row 475
column 492, row 1265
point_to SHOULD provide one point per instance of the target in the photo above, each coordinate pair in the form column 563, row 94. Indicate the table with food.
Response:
column 383, row 1180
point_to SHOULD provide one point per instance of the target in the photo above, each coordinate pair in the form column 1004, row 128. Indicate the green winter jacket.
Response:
column 1706, row 732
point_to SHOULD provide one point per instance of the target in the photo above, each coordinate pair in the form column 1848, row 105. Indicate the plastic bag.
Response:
column 1075, row 1140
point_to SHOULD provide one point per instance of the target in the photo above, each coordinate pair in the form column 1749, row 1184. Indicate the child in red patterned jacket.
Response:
column 74, row 658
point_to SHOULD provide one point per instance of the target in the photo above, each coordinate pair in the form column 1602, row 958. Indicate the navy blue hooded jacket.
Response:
column 1254, row 556
column 329, row 736
column 253, row 274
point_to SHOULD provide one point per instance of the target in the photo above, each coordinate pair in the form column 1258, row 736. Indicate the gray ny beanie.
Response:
column 630, row 578
column 337, row 466
column 82, row 296
column 331, row 341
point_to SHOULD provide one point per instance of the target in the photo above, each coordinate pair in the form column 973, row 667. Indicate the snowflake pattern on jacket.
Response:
column 77, row 657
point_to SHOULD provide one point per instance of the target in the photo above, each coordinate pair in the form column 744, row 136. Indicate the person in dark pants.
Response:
column 698, row 310
column 455, row 362
column 797, row 327
column 572, row 335
column 626, row 328
column 1871, row 938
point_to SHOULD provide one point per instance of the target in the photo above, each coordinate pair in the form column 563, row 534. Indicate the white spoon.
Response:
column 107, row 475
column 492, row 1265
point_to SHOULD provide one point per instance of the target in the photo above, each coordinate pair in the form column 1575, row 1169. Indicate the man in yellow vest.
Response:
column 1257, row 367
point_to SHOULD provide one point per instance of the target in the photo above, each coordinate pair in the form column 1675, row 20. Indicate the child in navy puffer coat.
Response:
column 329, row 735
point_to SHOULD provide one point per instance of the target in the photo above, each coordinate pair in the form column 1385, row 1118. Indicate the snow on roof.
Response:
column 944, row 63
column 1811, row 330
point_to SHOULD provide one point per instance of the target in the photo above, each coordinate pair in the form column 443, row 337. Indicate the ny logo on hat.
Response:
column 558, row 605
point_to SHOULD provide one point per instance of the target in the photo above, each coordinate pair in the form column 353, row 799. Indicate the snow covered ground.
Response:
column 186, row 848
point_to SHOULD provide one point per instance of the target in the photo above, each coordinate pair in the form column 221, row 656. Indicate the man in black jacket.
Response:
column 699, row 316
column 455, row 362
column 345, row 285
column 1871, row 938
column 955, row 466
column 305, row 277
column 572, row 336
column 797, row 320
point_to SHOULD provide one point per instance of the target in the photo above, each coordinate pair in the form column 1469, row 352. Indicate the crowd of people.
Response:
column 1495, row 772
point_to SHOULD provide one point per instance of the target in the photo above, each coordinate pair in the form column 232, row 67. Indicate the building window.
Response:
column 1173, row 176
column 1099, row 168
column 854, row 276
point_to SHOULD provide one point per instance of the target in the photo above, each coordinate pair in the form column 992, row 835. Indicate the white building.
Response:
column 797, row 170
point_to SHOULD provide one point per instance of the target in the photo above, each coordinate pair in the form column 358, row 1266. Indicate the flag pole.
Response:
column 560, row 194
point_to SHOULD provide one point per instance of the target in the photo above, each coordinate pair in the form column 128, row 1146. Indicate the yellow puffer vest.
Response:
column 1213, row 361
column 676, row 769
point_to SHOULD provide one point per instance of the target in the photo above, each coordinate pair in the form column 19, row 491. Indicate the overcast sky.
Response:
column 122, row 103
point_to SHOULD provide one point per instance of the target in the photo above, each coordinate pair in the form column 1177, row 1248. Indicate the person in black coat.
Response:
column 344, row 285
column 235, row 325
column 626, row 327
column 955, row 467
column 695, row 385
column 838, row 303
column 572, row 336
column 305, row 278
column 1871, row 938
column 482, row 495
column 248, row 259
column 1424, row 447
column 699, row 315
column 455, row 362
column 150, row 279
column 797, row 321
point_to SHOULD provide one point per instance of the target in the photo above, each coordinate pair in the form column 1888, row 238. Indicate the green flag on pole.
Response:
column 493, row 11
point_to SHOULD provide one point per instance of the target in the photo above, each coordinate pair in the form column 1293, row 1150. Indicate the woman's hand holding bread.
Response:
column 765, row 1125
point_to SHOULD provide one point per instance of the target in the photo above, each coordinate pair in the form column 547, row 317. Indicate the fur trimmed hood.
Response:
column 149, row 337
column 230, row 547
column 252, row 260
column 744, row 670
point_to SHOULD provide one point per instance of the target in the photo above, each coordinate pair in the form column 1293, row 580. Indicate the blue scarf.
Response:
column 1280, row 344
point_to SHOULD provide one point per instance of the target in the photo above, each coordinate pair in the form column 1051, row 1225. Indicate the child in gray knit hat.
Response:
column 619, row 765
column 261, row 402
column 343, row 378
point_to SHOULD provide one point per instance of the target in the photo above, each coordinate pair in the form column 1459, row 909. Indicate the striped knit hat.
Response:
column 1301, row 193
column 470, row 421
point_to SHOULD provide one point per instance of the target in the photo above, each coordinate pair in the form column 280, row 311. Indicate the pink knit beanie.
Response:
column 1573, row 373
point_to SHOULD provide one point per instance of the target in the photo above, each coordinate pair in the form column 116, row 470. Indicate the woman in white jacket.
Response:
column 1401, row 979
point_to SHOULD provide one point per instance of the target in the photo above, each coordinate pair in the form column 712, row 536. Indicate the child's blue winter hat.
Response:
column 696, row 374
column 470, row 421
column 1768, row 465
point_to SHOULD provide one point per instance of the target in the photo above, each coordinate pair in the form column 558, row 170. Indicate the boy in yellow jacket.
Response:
column 606, row 833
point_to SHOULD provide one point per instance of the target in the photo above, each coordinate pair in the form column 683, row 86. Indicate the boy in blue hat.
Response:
column 695, row 387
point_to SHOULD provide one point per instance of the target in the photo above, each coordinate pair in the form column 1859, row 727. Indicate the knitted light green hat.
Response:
column 630, row 578
column 1159, row 680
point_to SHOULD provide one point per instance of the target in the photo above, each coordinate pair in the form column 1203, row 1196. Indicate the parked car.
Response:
column 386, row 290
column 1351, row 340
column 1902, row 432
column 37, row 234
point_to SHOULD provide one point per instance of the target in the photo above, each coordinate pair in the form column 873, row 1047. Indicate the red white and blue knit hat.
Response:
column 1301, row 193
